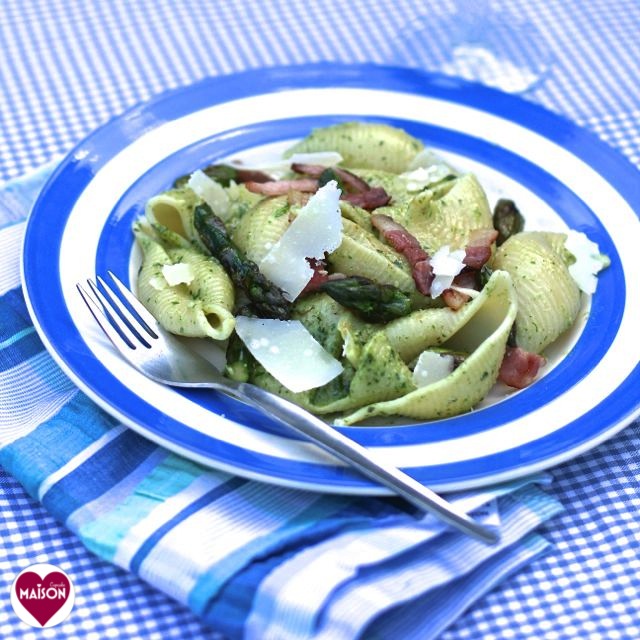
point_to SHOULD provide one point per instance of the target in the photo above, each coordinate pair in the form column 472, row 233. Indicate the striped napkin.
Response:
column 252, row 560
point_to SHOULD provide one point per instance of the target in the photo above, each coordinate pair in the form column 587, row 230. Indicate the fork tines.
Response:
column 129, row 322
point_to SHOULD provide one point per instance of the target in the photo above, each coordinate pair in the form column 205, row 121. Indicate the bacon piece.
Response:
column 398, row 237
column 282, row 187
column 313, row 170
column 519, row 367
column 454, row 299
column 369, row 200
column 349, row 180
column 319, row 277
column 478, row 249
column 423, row 276
column 251, row 175
column 466, row 279
column 406, row 244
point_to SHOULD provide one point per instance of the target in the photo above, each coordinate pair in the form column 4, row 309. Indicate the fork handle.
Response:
column 363, row 460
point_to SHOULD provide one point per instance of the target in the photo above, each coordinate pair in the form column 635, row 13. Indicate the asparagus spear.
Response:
column 507, row 219
column 267, row 300
column 371, row 301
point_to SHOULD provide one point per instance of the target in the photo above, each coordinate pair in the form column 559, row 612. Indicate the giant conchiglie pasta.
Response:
column 199, row 306
column 548, row 297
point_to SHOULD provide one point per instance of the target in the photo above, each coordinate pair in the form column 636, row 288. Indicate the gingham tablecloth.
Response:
column 67, row 67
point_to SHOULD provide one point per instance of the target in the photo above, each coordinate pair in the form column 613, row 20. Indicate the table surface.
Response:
column 67, row 67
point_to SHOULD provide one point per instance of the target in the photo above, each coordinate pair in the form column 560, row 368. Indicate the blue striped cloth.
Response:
column 250, row 559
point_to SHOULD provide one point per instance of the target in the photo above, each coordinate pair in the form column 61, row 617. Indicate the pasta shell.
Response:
column 201, row 308
column 363, row 145
column 261, row 227
column 361, row 253
column 171, row 212
column 447, row 217
column 548, row 297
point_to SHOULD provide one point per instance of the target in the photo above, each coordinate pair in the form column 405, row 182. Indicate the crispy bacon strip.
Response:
column 454, row 299
column 313, row 170
column 467, row 279
column 519, row 368
column 319, row 277
column 282, row 187
column 350, row 181
column 478, row 249
column 423, row 276
column 369, row 200
column 406, row 244
column 251, row 175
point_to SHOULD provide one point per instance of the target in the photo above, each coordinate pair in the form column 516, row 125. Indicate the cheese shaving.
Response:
column 431, row 367
column 589, row 260
column 211, row 192
column 179, row 273
column 316, row 229
column 157, row 283
column 428, row 157
column 446, row 265
column 422, row 177
column 288, row 352
column 279, row 167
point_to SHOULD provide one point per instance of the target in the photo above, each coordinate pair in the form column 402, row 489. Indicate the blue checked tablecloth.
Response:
column 158, row 547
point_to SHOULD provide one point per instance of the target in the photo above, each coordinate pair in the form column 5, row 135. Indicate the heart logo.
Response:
column 42, row 593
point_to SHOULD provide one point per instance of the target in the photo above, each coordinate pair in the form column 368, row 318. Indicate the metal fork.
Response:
column 162, row 357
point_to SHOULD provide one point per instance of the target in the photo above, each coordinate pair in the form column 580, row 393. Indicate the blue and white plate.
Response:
column 559, row 175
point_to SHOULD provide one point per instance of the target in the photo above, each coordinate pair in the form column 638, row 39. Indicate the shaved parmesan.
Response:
column 288, row 352
column 179, row 273
column 428, row 157
column 432, row 367
column 324, row 158
column 588, row 262
column 446, row 265
column 277, row 167
column 211, row 192
column 316, row 229
column 157, row 283
column 422, row 177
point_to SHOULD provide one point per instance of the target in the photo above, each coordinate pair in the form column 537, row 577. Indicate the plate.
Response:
column 559, row 175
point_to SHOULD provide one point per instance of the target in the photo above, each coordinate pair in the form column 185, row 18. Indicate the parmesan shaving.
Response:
column 179, row 273
column 279, row 167
column 446, row 265
column 211, row 192
column 316, row 229
column 589, row 260
column 288, row 352
column 431, row 367
column 324, row 158
column 427, row 158
column 157, row 283
column 422, row 177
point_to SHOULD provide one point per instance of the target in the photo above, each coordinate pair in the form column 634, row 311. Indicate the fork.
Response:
column 163, row 358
